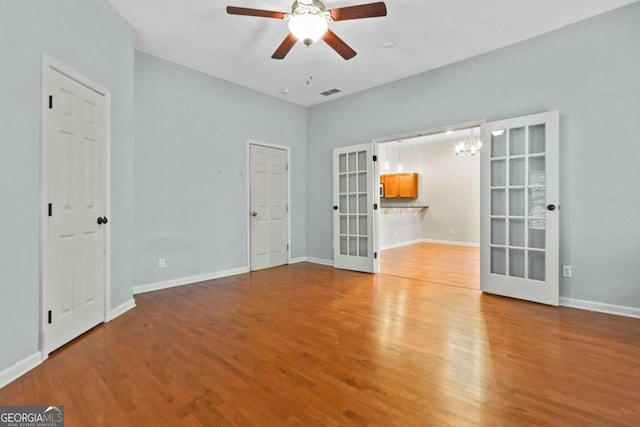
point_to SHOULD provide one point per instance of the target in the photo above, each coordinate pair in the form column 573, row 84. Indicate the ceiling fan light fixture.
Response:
column 308, row 28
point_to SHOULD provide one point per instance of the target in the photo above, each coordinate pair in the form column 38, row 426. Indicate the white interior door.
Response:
column 269, row 210
column 76, row 143
column 519, row 208
column 353, row 204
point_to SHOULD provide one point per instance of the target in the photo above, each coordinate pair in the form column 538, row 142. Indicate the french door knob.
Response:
column 551, row 207
column 335, row 208
column 254, row 213
column 100, row 221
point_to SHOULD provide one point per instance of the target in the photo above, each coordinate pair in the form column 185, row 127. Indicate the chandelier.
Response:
column 469, row 147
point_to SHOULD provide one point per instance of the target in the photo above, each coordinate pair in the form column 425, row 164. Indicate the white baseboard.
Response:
column 400, row 244
column 121, row 309
column 19, row 369
column 449, row 242
column 600, row 307
column 188, row 280
column 297, row 260
column 319, row 261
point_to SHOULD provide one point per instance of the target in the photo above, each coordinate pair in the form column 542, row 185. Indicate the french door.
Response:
column 353, row 203
column 519, row 208
column 76, row 139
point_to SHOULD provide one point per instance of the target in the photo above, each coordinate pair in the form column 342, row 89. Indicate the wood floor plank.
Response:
column 307, row 345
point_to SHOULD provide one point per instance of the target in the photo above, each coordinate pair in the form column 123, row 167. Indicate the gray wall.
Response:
column 590, row 72
column 191, row 187
column 89, row 36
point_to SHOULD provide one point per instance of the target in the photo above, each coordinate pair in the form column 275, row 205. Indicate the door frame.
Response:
column 51, row 63
column 376, row 169
column 287, row 150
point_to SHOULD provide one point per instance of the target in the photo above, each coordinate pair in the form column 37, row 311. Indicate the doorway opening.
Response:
column 429, row 217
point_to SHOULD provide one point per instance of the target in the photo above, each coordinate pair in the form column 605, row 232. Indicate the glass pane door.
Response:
column 520, row 254
column 353, row 198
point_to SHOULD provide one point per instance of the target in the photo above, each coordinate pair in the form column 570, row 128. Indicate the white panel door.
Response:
column 353, row 202
column 76, row 143
column 519, row 237
column 269, row 195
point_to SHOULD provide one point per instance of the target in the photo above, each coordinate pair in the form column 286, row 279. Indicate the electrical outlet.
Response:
column 161, row 263
column 453, row 231
column 567, row 271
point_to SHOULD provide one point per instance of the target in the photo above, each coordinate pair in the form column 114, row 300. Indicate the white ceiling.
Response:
column 428, row 34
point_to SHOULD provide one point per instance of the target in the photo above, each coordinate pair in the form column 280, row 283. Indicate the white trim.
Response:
column 287, row 149
column 451, row 242
column 53, row 64
column 319, row 261
column 600, row 307
column 188, row 280
column 121, row 309
column 19, row 369
column 297, row 260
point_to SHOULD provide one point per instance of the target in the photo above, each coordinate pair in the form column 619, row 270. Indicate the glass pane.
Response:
column 537, row 232
column 362, row 182
column 342, row 161
column 516, row 172
column 353, row 183
column 353, row 246
column 498, row 261
column 516, row 233
column 516, row 202
column 353, row 204
column 537, row 139
column 537, row 202
column 498, row 173
column 537, row 171
column 363, row 247
column 343, row 204
column 343, row 224
column 343, row 245
column 499, row 145
column 516, row 262
column 362, row 160
column 516, row 142
column 362, row 228
column 498, row 231
column 343, row 183
column 536, row 265
column 353, row 225
column 362, row 204
column 498, row 202
column 352, row 162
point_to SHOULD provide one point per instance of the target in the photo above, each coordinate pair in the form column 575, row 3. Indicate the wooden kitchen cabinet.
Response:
column 400, row 185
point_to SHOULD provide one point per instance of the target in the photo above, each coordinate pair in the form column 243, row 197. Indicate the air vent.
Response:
column 331, row 92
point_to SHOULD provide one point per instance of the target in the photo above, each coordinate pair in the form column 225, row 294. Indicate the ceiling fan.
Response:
column 309, row 21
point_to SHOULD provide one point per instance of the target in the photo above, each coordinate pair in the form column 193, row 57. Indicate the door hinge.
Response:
column 49, row 317
column 50, row 209
column 375, row 158
column 287, row 246
column 375, row 206
column 50, row 102
column 375, row 255
column 287, row 166
column 287, row 208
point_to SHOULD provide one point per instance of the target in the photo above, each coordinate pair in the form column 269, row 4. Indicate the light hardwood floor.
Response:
column 433, row 262
column 308, row 345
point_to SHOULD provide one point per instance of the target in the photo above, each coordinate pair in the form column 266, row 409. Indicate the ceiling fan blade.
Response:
column 232, row 10
column 369, row 10
column 285, row 47
column 338, row 45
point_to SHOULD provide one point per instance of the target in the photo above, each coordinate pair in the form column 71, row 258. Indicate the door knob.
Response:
column 102, row 220
column 335, row 208
column 254, row 213
column 551, row 207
